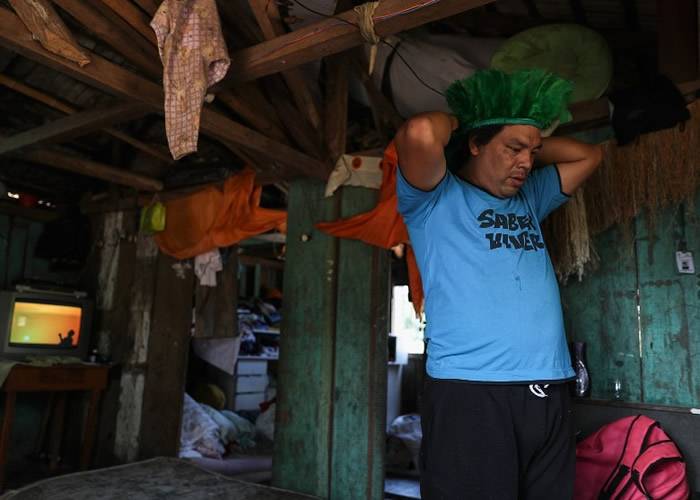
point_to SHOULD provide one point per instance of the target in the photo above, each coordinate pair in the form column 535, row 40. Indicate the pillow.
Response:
column 572, row 51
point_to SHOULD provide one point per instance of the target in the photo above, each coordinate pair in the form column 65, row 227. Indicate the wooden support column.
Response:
column 362, row 327
column 143, row 321
column 115, row 326
column 329, row 433
column 136, row 287
column 168, row 349
column 304, row 416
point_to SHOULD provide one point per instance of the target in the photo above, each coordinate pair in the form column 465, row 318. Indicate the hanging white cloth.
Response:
column 206, row 266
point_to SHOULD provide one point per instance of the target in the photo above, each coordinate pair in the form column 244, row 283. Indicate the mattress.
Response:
column 158, row 478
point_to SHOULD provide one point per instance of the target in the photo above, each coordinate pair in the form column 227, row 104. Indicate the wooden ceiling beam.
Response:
column 677, row 28
column 336, row 106
column 296, row 123
column 247, row 101
column 631, row 14
column 134, row 17
column 149, row 6
column 58, row 105
column 73, row 126
column 578, row 11
column 246, row 30
column 336, row 34
column 251, row 105
column 116, row 80
column 268, row 17
column 37, row 95
column 589, row 114
column 383, row 111
column 7, row 207
column 277, row 109
column 532, row 9
column 138, row 53
column 90, row 168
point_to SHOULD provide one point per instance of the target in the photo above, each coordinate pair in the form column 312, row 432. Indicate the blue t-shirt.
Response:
column 492, row 302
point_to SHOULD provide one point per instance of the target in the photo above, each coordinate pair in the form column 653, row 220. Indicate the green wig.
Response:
column 526, row 97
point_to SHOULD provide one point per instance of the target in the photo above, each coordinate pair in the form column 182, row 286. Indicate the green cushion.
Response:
column 572, row 51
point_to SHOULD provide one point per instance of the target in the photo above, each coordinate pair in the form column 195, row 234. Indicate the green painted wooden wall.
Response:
column 329, row 434
column 639, row 317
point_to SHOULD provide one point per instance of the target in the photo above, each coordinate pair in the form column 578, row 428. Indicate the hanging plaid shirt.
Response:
column 194, row 57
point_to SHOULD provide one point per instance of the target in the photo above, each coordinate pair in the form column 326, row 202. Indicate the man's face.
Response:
column 506, row 161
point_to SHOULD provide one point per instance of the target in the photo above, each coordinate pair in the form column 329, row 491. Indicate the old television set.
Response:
column 44, row 323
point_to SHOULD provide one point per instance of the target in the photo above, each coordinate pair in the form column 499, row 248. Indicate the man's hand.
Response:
column 576, row 160
column 420, row 144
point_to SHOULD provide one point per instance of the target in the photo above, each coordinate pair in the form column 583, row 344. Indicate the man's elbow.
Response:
column 600, row 153
column 418, row 130
column 595, row 158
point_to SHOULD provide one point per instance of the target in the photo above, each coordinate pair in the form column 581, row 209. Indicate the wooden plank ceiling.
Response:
column 107, row 116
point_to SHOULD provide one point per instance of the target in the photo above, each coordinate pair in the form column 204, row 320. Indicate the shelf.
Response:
column 628, row 404
column 266, row 332
column 259, row 358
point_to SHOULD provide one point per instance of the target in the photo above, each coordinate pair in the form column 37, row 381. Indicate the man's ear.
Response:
column 473, row 148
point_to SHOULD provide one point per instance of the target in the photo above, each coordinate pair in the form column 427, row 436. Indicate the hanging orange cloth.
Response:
column 213, row 218
column 382, row 226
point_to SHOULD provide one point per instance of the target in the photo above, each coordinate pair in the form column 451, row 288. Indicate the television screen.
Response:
column 44, row 324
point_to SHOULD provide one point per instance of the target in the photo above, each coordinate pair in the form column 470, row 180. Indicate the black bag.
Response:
column 654, row 105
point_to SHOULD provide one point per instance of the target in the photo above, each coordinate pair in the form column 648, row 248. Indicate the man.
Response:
column 496, row 413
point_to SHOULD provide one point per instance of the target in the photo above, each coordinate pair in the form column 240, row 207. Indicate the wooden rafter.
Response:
column 334, row 35
column 383, row 111
column 578, row 11
column 588, row 114
column 91, row 169
column 336, row 105
column 631, row 14
column 58, row 105
column 133, row 16
column 116, row 36
column 246, row 100
column 251, row 105
column 532, row 9
column 296, row 123
column 117, row 80
column 677, row 27
column 246, row 30
column 268, row 18
column 149, row 6
column 72, row 126
column 48, row 28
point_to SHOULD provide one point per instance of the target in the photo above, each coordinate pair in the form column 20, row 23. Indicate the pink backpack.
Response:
column 630, row 459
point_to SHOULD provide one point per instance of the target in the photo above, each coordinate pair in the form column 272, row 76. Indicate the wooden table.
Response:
column 54, row 379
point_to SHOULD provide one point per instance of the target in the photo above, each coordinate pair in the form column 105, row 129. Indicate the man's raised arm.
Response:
column 420, row 144
column 575, row 160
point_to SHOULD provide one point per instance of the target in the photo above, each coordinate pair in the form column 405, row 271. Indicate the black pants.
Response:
column 496, row 442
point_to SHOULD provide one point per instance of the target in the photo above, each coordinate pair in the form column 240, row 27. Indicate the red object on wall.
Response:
column 28, row 200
